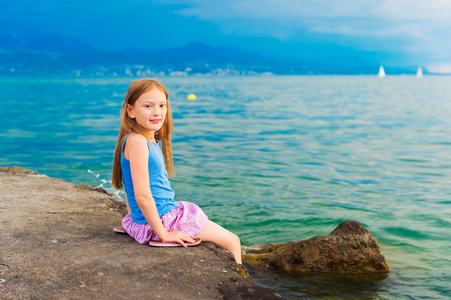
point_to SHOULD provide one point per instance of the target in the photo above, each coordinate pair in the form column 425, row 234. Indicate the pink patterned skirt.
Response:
column 186, row 217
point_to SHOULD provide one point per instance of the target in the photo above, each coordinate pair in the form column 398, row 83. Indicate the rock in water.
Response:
column 350, row 248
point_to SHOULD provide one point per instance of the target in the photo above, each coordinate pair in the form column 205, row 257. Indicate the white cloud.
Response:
column 417, row 10
column 439, row 68
column 406, row 25
column 268, row 9
column 351, row 17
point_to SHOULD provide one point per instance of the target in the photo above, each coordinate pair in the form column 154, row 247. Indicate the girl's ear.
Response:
column 130, row 111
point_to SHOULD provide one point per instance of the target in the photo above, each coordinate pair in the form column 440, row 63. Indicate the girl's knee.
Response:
column 236, row 239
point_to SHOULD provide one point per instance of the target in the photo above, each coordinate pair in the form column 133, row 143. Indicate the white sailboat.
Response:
column 419, row 72
column 381, row 73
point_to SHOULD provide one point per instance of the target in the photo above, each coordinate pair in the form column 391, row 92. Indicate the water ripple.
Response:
column 274, row 159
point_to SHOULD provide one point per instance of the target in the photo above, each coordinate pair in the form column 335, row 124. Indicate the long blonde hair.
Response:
column 129, row 125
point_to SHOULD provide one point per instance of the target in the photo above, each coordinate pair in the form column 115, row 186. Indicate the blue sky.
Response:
column 389, row 32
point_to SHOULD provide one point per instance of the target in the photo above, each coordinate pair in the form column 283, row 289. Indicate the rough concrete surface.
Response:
column 57, row 242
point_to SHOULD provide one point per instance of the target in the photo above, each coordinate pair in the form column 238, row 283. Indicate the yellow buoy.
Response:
column 191, row 97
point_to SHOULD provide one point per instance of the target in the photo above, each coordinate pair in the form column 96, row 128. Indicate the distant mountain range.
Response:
column 35, row 54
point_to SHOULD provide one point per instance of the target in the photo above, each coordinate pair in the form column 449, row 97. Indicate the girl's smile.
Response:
column 149, row 110
column 152, row 211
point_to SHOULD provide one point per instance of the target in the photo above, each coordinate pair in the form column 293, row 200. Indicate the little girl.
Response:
column 142, row 168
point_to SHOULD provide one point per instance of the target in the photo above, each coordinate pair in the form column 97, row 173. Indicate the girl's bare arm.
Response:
column 137, row 153
column 128, row 206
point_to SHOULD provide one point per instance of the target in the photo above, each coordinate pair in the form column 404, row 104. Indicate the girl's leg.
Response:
column 222, row 238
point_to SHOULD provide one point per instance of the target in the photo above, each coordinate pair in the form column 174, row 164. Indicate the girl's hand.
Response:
column 177, row 237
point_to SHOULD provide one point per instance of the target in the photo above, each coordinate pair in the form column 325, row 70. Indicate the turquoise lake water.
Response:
column 274, row 159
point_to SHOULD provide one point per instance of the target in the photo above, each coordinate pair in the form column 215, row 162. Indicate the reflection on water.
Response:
column 273, row 159
column 323, row 285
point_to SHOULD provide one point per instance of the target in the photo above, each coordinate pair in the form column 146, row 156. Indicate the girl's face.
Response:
column 149, row 110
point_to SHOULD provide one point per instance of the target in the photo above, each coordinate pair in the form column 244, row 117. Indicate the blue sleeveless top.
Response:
column 160, row 187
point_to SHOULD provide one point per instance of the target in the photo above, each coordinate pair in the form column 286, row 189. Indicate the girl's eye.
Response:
column 162, row 105
column 148, row 106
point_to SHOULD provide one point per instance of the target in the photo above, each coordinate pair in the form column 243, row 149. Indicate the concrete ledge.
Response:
column 57, row 242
